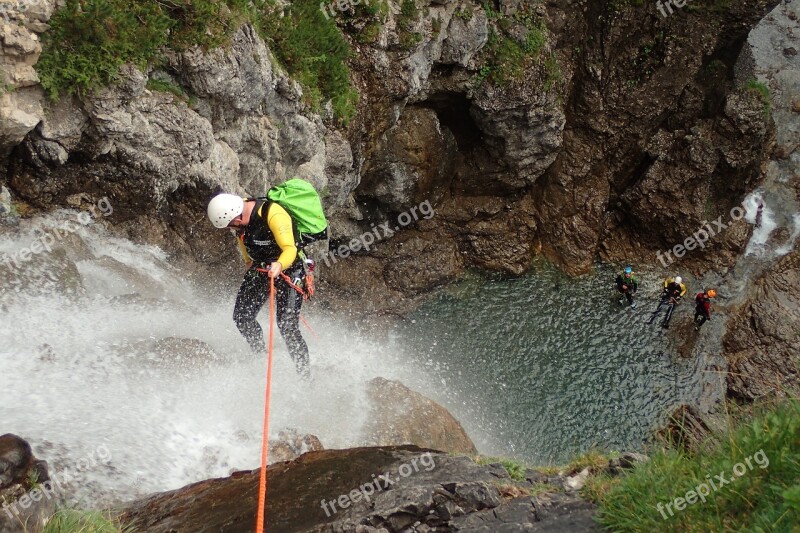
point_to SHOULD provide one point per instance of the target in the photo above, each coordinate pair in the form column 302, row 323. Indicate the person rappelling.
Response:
column 674, row 289
column 702, row 311
column 627, row 284
column 265, row 233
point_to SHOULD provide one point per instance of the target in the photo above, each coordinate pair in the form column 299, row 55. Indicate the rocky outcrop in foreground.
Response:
column 369, row 490
column 26, row 492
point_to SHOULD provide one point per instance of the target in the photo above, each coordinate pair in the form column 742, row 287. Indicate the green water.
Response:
column 544, row 366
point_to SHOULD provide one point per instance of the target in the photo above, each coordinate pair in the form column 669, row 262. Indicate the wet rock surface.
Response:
column 763, row 342
column 337, row 491
column 762, row 336
column 24, row 487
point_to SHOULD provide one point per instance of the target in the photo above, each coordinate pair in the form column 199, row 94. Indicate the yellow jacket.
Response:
column 280, row 224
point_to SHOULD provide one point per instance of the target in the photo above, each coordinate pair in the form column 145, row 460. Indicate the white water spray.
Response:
column 79, row 370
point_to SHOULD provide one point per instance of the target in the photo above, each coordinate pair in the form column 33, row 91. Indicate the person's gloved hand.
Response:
column 275, row 269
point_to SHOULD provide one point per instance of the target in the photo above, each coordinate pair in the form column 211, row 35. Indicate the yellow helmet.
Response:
column 711, row 293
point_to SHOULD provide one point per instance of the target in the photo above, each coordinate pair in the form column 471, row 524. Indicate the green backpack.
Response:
column 302, row 202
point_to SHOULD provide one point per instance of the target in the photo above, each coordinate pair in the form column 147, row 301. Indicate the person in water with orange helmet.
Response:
column 702, row 311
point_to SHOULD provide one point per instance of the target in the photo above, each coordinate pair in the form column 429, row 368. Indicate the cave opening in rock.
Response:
column 452, row 109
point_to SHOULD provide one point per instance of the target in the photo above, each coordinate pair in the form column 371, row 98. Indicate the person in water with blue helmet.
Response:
column 627, row 284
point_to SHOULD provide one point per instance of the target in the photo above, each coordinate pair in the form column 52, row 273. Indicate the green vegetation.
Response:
column 762, row 91
column 507, row 56
column 364, row 21
column 165, row 86
column 760, row 461
column 516, row 469
column 74, row 521
column 314, row 51
column 406, row 21
column 552, row 70
column 5, row 87
column 619, row 5
column 436, row 25
column 649, row 58
column 463, row 14
column 33, row 479
column 409, row 13
column 90, row 40
column 593, row 460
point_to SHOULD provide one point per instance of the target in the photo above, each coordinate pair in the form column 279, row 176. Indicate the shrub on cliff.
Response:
column 89, row 40
column 748, row 482
column 314, row 51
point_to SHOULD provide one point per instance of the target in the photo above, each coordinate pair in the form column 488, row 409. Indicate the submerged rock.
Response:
column 177, row 353
column 399, row 415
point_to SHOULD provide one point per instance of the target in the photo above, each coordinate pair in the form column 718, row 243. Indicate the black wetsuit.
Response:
column 669, row 298
column 702, row 310
column 263, row 249
column 632, row 285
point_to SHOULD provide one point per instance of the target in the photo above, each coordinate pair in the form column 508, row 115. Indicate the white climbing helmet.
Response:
column 223, row 208
column 678, row 279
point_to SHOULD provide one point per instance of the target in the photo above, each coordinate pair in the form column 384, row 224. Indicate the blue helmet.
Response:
column 628, row 270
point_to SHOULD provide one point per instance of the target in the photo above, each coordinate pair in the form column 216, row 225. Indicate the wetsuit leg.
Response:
column 288, row 303
column 253, row 293
column 668, row 317
column 657, row 311
column 702, row 319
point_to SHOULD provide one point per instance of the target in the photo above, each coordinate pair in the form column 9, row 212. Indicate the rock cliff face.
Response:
column 618, row 139
column 763, row 343
column 763, row 337
column 21, row 106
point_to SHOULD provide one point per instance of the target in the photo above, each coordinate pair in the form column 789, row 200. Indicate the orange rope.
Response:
column 288, row 280
column 262, row 491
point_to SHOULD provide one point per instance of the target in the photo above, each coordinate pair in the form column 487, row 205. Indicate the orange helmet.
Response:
column 711, row 293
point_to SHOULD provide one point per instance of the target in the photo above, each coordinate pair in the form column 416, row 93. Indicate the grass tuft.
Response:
column 762, row 91
column 75, row 521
